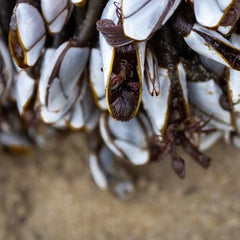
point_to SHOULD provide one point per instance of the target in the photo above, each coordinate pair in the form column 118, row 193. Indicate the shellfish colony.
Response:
column 142, row 77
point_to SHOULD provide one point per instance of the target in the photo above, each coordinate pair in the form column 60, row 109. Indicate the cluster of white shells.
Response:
column 69, row 91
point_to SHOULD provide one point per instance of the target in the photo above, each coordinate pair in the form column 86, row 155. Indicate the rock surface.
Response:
column 50, row 195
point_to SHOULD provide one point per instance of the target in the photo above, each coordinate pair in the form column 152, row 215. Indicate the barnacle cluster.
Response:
column 141, row 77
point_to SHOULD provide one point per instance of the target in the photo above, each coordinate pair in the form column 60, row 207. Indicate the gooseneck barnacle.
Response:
column 142, row 78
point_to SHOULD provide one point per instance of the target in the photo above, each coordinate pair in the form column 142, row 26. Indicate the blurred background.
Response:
column 50, row 195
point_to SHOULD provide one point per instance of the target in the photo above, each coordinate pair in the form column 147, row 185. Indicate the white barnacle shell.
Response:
column 98, row 174
column 56, row 13
column 209, row 13
column 233, row 79
column 208, row 140
column 208, row 136
column 214, row 46
column 212, row 65
column 57, row 117
column 24, row 89
column 61, row 80
column 97, row 79
column 109, row 60
column 156, row 93
column 26, row 35
column 128, row 140
column 6, row 73
column 43, row 81
column 108, row 172
column 15, row 142
column 107, row 51
column 79, row 3
column 66, row 67
column 226, row 30
column 83, row 114
column 47, row 116
column 141, row 18
column 205, row 96
column 234, row 88
column 181, row 73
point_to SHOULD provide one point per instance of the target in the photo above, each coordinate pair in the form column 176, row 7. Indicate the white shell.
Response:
column 208, row 140
column 234, row 89
column 79, row 3
column 46, row 116
column 7, row 71
column 107, row 51
column 183, row 85
column 108, row 172
column 15, row 141
column 234, row 77
column 225, row 30
column 125, row 139
column 97, row 78
column 212, row 65
column 53, row 117
column 84, row 113
column 61, row 123
column 96, row 171
column 43, row 81
column 236, row 141
column 155, row 105
column 24, row 89
column 30, row 24
column 156, row 94
column 50, row 59
column 205, row 97
column 92, row 118
column 33, row 54
column 31, row 31
column 199, row 45
column 72, row 61
column 223, row 4
column 142, row 17
column 56, row 13
column 75, row 118
column 209, row 13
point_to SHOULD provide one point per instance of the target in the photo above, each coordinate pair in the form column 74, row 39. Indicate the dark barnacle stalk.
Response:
column 177, row 126
column 87, row 28
column 5, row 15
